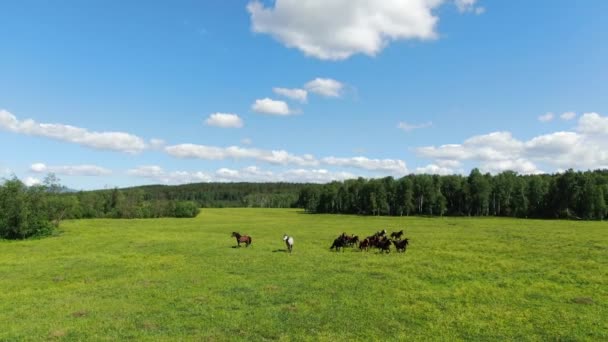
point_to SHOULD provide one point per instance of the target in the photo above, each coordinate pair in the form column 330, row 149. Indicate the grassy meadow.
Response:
column 181, row 279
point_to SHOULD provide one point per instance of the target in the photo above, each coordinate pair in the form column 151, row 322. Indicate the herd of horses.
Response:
column 379, row 240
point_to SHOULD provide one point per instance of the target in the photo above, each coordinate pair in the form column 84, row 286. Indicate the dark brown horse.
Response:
column 397, row 235
column 401, row 245
column 246, row 239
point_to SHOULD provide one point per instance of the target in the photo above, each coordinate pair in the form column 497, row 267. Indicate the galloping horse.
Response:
column 401, row 245
column 246, row 239
column 397, row 235
column 289, row 242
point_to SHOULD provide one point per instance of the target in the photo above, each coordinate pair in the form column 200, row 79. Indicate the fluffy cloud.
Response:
column 278, row 157
column 593, row 124
column 495, row 152
column 433, row 169
column 568, row 116
column 410, row 127
column 269, row 106
column 381, row 165
column 325, row 87
column 116, row 141
column 248, row 174
column 71, row 170
column 31, row 181
column 546, row 117
column 157, row 174
column 281, row 157
column 335, row 30
column 224, row 120
column 294, row 94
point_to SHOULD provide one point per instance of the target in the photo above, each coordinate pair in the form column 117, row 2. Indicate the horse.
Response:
column 384, row 245
column 401, row 245
column 339, row 242
column 350, row 241
column 289, row 242
column 397, row 235
column 246, row 239
column 380, row 233
column 364, row 245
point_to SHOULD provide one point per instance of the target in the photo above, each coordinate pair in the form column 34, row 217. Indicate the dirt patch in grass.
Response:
column 80, row 313
column 583, row 300
column 55, row 334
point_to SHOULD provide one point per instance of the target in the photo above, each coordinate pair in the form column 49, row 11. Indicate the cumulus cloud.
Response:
column 585, row 149
column 224, row 120
column 158, row 174
column 297, row 94
column 593, row 124
column 381, row 165
column 325, row 87
column 568, row 116
column 247, row 174
column 31, row 181
column 270, row 106
column 433, row 169
column 71, row 170
column 282, row 157
column 338, row 29
column 279, row 157
column 546, row 117
column 410, row 127
column 116, row 141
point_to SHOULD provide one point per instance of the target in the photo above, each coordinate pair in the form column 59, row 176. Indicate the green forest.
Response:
column 568, row 195
column 30, row 211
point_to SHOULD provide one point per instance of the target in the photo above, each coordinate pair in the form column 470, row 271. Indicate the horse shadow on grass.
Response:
column 281, row 250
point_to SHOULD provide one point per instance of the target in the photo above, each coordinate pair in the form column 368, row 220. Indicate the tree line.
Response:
column 571, row 194
column 37, row 210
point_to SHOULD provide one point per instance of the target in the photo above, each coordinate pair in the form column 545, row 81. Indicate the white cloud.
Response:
column 224, row 120
column 380, row 165
column 294, row 94
column 157, row 174
column 337, row 29
column 269, row 106
column 410, row 127
column 117, row 141
column 585, row 149
column 593, row 124
column 433, row 169
column 546, row 117
column 568, row 116
column 282, row 157
column 71, row 170
column 31, row 181
column 248, row 174
column 325, row 87
column 278, row 157
column 469, row 6
column 521, row 166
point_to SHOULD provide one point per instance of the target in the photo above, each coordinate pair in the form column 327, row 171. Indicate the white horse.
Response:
column 288, row 241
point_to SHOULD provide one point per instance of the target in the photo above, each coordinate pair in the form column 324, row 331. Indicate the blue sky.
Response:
column 119, row 93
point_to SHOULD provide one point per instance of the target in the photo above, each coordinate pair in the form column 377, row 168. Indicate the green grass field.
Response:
column 180, row 279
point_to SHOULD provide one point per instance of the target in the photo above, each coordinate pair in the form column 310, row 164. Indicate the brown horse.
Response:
column 397, row 235
column 401, row 245
column 246, row 239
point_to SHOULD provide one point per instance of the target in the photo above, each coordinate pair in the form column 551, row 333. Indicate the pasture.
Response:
column 181, row 279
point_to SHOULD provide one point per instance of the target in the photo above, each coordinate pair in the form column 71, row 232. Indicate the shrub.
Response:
column 23, row 211
column 186, row 209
